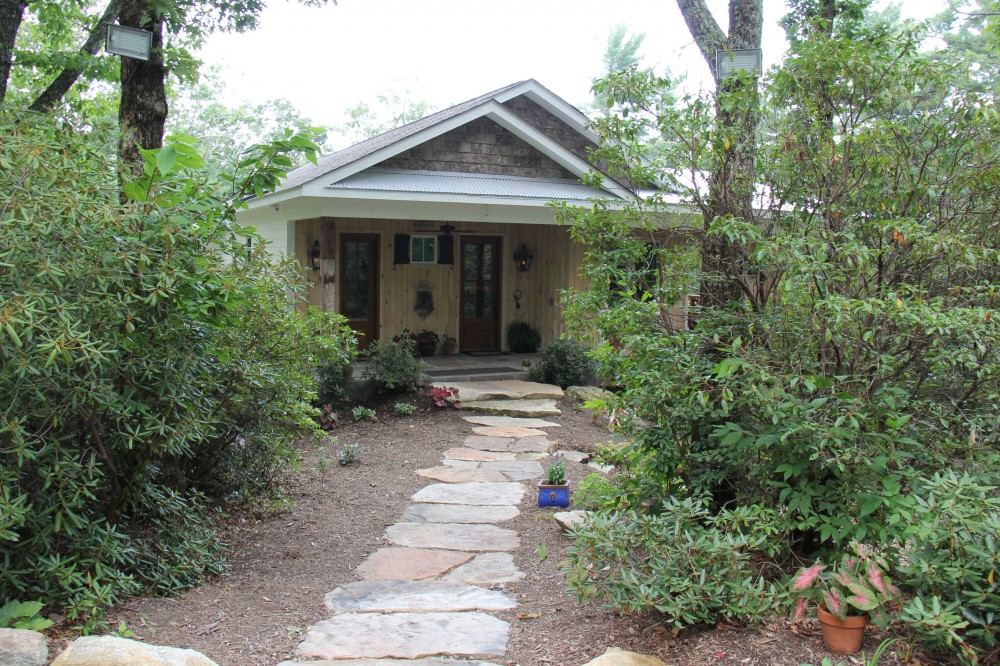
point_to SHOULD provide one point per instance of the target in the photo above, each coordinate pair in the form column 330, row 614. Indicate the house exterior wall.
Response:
column 554, row 268
column 482, row 147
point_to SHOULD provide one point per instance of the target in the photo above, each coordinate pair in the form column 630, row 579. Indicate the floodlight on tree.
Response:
column 728, row 63
column 129, row 42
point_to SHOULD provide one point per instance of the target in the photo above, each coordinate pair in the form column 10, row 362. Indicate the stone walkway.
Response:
column 419, row 599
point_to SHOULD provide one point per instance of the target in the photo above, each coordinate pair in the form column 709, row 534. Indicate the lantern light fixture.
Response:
column 522, row 259
column 314, row 253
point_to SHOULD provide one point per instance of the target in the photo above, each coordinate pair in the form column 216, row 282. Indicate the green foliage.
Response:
column 690, row 565
column 951, row 563
column 596, row 493
column 334, row 378
column 563, row 363
column 362, row 413
column 404, row 408
column 858, row 350
column 392, row 368
column 555, row 473
column 523, row 338
column 23, row 615
column 147, row 364
column 348, row 454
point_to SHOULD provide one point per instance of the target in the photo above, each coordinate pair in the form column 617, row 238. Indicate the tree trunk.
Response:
column 731, row 186
column 142, row 112
column 11, row 16
column 62, row 83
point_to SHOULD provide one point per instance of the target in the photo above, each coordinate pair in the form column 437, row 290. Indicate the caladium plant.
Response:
column 855, row 586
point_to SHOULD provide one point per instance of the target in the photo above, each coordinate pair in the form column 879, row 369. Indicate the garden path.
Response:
column 427, row 596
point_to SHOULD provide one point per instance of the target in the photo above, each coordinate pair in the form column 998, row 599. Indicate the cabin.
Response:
column 442, row 224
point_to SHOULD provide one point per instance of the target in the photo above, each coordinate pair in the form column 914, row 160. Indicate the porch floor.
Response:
column 462, row 367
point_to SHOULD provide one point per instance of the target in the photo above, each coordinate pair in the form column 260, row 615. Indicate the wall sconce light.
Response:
column 314, row 256
column 728, row 63
column 522, row 259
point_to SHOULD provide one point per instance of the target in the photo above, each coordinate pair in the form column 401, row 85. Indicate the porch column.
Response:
column 327, row 265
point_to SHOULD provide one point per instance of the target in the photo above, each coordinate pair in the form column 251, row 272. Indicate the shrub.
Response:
column 145, row 360
column 392, row 367
column 334, row 381
column 563, row 363
column 362, row 413
column 690, row 566
column 523, row 338
column 951, row 561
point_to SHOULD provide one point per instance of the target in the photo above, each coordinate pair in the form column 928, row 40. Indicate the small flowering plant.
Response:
column 856, row 586
column 445, row 396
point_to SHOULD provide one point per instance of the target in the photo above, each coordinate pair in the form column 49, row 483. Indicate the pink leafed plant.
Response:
column 445, row 396
column 856, row 585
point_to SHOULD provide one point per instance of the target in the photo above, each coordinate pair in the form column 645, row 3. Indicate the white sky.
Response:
column 326, row 59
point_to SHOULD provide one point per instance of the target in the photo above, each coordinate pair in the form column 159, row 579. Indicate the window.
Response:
column 423, row 249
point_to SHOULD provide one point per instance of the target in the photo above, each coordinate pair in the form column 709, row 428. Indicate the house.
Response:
column 442, row 224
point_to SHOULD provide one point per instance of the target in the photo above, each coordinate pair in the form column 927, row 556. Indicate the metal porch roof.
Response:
column 486, row 185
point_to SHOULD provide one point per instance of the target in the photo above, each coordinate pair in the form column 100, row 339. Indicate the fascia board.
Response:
column 552, row 103
column 444, row 199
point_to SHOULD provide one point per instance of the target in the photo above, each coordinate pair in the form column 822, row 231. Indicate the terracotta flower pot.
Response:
column 842, row 636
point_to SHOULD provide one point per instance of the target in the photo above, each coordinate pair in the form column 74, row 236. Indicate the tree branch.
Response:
column 704, row 28
column 62, row 83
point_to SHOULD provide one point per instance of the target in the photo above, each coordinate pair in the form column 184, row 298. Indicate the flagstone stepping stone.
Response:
column 509, row 422
column 569, row 520
column 531, row 456
column 481, row 443
column 448, row 474
column 492, row 494
column 539, row 444
column 413, row 596
column 453, row 536
column 518, row 470
column 430, row 661
column 397, row 563
column 487, row 568
column 575, row 456
column 406, row 636
column 509, row 389
column 541, row 407
column 477, row 455
column 463, row 464
column 459, row 513
column 603, row 469
column 512, row 432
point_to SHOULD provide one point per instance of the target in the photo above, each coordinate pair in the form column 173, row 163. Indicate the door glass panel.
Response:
column 356, row 280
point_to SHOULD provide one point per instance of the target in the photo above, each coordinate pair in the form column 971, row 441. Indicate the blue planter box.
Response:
column 553, row 495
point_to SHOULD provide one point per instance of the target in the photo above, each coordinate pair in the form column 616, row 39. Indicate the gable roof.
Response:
column 318, row 179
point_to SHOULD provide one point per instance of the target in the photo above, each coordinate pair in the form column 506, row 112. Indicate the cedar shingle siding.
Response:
column 480, row 146
column 551, row 126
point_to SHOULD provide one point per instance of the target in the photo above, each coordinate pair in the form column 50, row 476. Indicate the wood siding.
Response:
column 554, row 268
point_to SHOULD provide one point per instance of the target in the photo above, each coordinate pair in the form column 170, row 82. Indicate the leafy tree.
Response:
column 226, row 133
column 860, row 354
column 392, row 110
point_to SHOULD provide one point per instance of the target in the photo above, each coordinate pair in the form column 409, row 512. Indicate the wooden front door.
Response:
column 359, row 285
column 479, row 324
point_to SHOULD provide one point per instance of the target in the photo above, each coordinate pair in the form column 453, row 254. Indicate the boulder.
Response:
column 20, row 647
column 585, row 393
column 105, row 650
column 568, row 520
column 617, row 657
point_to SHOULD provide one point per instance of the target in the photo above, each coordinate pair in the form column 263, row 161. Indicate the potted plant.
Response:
column 427, row 342
column 555, row 489
column 523, row 338
column 449, row 345
column 849, row 594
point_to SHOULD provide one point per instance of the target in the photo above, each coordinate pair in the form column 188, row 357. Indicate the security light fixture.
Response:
column 522, row 259
column 129, row 42
column 730, row 62
column 314, row 256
